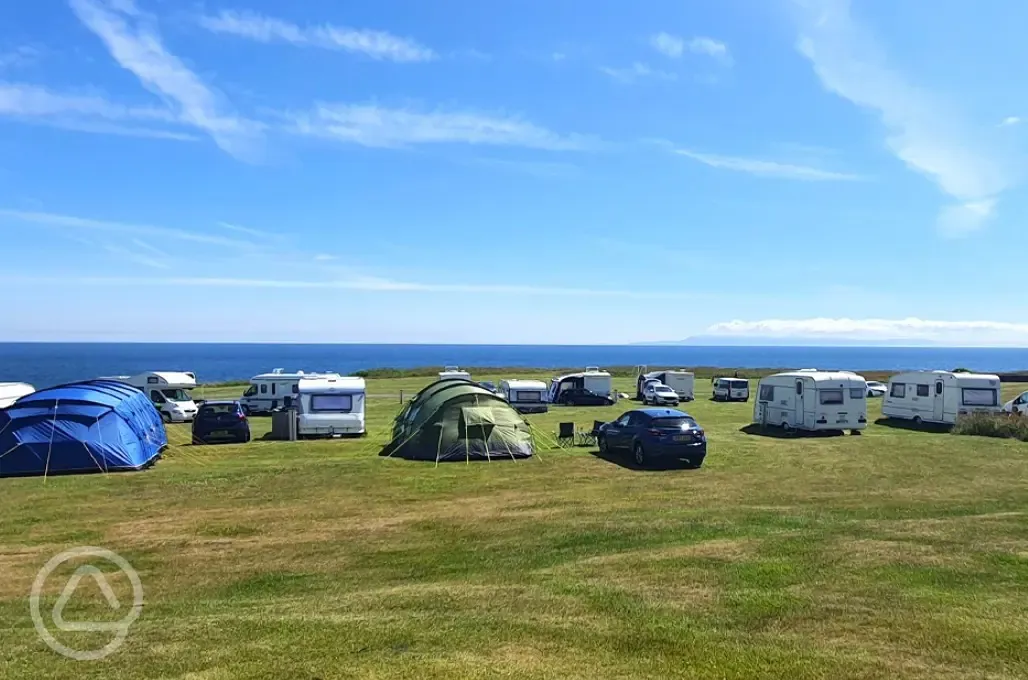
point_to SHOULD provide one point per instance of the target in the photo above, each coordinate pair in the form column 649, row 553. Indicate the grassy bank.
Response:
column 895, row 554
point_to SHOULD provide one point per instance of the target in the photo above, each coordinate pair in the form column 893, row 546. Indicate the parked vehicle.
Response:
column 330, row 405
column 526, row 396
column 940, row 396
column 221, row 420
column 490, row 385
column 579, row 396
column 876, row 389
column 655, row 433
column 11, row 392
column 1018, row 404
column 731, row 389
column 271, row 391
column 454, row 373
column 168, row 391
column 812, row 400
column 591, row 380
column 660, row 394
column 681, row 381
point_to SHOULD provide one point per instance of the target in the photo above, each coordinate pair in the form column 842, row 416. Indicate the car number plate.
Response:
column 682, row 438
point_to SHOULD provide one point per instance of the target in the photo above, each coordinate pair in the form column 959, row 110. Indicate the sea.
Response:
column 45, row 364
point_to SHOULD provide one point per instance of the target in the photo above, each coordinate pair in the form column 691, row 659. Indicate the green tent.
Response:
column 459, row 420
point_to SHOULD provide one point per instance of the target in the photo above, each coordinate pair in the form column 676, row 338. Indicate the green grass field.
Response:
column 895, row 554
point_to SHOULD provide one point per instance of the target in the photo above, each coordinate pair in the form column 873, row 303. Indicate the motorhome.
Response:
column 1018, row 405
column 330, row 405
column 526, row 396
column 681, row 381
column 168, row 391
column 278, row 389
column 454, row 373
column 940, row 396
column 731, row 389
column 812, row 400
column 11, row 392
column 592, row 379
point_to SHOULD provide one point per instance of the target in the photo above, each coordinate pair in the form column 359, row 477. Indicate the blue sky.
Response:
column 513, row 171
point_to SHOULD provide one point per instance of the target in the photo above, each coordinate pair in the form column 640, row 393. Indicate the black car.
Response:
column 655, row 433
column 579, row 396
column 221, row 420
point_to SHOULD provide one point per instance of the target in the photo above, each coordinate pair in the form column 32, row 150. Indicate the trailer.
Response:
column 812, row 401
column 526, row 396
column 941, row 396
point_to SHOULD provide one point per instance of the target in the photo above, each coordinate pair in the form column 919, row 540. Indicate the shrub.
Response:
column 993, row 425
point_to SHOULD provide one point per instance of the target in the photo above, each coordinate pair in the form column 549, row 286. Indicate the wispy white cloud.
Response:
column 133, row 41
column 374, row 44
column 23, row 55
column 558, row 56
column 925, row 132
column 675, row 47
column 765, row 168
column 244, row 230
column 375, row 126
column 911, row 328
column 635, row 72
column 1011, row 120
column 144, row 256
column 10, row 218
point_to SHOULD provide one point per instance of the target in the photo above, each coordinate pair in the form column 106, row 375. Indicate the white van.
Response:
column 11, row 392
column 731, row 389
column 454, row 373
column 168, row 391
column 1018, row 404
column 278, row 389
column 526, row 396
column 940, row 396
column 683, row 382
column 812, row 400
column 330, row 405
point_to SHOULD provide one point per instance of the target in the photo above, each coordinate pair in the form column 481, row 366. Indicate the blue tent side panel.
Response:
column 93, row 426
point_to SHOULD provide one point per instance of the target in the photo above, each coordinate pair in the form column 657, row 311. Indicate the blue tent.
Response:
column 92, row 426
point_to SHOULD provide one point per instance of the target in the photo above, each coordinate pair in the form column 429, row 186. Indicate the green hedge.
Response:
column 1002, row 425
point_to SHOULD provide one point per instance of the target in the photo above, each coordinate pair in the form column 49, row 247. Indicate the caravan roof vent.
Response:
column 592, row 369
column 448, row 369
column 278, row 371
column 299, row 373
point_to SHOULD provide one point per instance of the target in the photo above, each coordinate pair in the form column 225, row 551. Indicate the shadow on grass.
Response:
column 781, row 433
column 624, row 460
column 902, row 424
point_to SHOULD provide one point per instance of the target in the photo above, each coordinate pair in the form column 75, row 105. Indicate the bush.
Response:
column 1001, row 425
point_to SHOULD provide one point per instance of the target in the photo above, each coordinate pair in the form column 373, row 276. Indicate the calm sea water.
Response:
column 45, row 364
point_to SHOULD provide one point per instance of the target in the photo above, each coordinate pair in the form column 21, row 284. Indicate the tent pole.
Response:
column 50, row 448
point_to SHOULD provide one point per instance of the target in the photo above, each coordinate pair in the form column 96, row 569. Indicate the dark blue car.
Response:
column 651, row 434
column 221, row 420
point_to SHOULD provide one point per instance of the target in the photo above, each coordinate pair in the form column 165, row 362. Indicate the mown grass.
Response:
column 895, row 554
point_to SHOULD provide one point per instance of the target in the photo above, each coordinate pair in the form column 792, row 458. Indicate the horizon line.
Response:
column 651, row 344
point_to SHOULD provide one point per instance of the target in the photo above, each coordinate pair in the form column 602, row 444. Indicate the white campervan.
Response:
column 454, row 373
column 592, row 380
column 169, row 392
column 330, row 405
column 1017, row 405
column 11, row 392
column 731, row 389
column 812, row 400
column 940, row 396
column 271, row 391
column 683, row 382
column 526, row 396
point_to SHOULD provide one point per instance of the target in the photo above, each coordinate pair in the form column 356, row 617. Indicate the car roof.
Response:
column 662, row 413
column 223, row 402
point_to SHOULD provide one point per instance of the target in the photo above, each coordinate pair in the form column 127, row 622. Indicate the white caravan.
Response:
column 592, row 379
column 731, row 389
column 168, row 391
column 526, row 396
column 330, row 405
column 812, row 400
column 278, row 389
column 940, row 396
column 681, row 381
column 11, row 392
column 1018, row 404
column 454, row 373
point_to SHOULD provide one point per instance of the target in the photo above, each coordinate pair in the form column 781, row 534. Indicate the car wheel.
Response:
column 245, row 438
column 601, row 441
column 639, row 454
column 197, row 441
column 165, row 417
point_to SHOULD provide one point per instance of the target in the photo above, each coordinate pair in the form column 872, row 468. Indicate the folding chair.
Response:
column 566, row 435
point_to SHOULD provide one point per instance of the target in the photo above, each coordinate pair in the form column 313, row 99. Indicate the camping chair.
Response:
column 588, row 437
column 566, row 435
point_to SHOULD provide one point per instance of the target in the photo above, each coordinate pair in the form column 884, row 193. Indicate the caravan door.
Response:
column 800, row 419
column 939, row 403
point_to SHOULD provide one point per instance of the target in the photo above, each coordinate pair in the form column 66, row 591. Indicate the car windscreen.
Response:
column 673, row 423
column 175, row 395
column 214, row 410
column 664, row 388
column 738, row 384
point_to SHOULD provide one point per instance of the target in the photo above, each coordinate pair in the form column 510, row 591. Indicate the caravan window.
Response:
column 922, row 390
column 856, row 393
column 530, row 395
column 898, row 390
column 332, row 402
column 273, row 388
column 767, row 392
column 296, row 388
column 979, row 397
column 799, row 387
column 830, row 396
column 938, row 388
column 264, row 388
